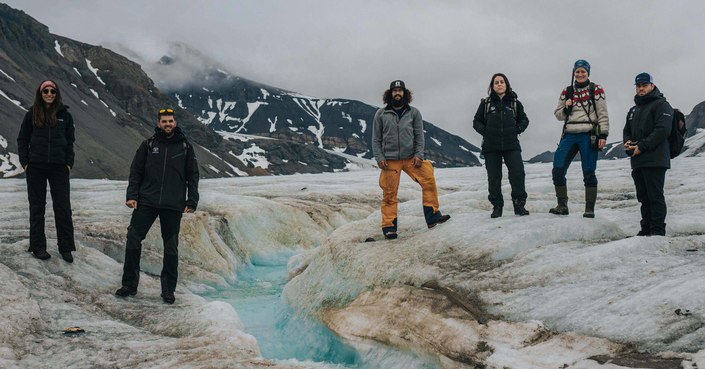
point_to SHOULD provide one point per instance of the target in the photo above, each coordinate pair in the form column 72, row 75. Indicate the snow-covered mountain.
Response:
column 114, row 102
column 230, row 104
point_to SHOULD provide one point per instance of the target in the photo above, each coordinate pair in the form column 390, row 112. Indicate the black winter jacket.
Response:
column 163, row 171
column 53, row 145
column 649, row 123
column 500, row 128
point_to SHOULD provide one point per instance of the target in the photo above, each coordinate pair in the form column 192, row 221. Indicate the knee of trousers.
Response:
column 590, row 179
column 134, row 239
column 558, row 174
column 171, row 246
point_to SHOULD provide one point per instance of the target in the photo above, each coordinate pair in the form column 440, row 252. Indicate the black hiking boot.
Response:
column 442, row 219
column 41, row 254
column 590, row 199
column 66, row 255
column 168, row 297
column 125, row 291
column 562, row 197
column 496, row 212
column 519, row 208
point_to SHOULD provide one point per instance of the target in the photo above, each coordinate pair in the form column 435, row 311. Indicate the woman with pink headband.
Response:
column 45, row 145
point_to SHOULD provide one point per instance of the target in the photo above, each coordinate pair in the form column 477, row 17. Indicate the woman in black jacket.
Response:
column 500, row 119
column 45, row 145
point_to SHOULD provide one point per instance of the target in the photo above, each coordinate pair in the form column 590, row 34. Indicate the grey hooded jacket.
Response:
column 395, row 138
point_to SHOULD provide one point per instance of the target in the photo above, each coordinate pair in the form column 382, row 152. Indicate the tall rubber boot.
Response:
column 562, row 197
column 590, row 198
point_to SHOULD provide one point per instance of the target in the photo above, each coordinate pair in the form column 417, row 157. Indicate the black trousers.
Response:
column 58, row 177
column 142, row 219
column 649, row 184
column 493, row 164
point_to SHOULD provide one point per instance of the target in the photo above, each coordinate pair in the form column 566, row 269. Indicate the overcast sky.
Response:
column 446, row 51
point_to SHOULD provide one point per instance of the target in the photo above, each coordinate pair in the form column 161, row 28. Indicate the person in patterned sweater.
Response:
column 583, row 109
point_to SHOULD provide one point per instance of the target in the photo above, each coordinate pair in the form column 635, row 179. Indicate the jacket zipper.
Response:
column 161, row 188
column 501, row 126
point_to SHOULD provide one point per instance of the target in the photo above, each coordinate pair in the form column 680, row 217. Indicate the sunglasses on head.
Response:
column 162, row 111
column 49, row 91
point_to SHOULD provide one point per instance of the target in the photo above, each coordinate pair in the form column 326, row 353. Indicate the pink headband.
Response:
column 47, row 83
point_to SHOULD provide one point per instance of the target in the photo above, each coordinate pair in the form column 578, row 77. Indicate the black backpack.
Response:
column 678, row 130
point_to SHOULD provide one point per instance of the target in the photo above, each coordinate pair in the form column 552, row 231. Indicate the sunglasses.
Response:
column 162, row 111
column 49, row 91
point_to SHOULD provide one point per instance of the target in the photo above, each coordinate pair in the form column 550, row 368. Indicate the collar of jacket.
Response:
column 178, row 135
column 390, row 108
column 509, row 96
column 648, row 98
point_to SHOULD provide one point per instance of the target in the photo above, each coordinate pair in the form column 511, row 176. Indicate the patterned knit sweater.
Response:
column 584, row 114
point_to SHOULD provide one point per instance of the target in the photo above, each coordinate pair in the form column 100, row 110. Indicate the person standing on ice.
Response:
column 398, row 145
column 500, row 119
column 163, row 172
column 45, row 146
column 645, row 136
column 583, row 109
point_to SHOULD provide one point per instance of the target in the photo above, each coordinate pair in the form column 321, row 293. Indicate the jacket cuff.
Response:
column 191, row 204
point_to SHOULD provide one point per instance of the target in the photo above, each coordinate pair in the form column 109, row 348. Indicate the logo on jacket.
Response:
column 155, row 150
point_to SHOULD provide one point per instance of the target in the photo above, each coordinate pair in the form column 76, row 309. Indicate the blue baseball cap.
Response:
column 643, row 78
column 582, row 63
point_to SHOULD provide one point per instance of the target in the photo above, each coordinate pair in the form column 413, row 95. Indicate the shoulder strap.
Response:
column 514, row 107
column 486, row 101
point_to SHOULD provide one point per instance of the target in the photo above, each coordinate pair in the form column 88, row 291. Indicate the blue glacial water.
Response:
column 285, row 336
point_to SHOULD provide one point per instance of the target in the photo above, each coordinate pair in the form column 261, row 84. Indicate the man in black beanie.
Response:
column 646, row 133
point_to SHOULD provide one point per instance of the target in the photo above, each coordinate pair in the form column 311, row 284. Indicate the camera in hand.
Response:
column 631, row 152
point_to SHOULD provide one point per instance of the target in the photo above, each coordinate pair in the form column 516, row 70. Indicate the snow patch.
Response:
column 265, row 93
column 209, row 120
column 463, row 148
column 94, row 71
column 436, row 141
column 363, row 125
column 312, row 107
column 84, row 102
column 213, row 168
column 179, row 102
column 294, row 129
column 95, row 93
column 272, row 125
column 57, row 47
column 19, row 105
column 77, row 72
column 253, row 155
column 7, row 75
column 241, row 136
column 346, row 116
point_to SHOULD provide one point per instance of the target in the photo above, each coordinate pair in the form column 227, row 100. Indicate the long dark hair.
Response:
column 43, row 116
column 387, row 96
column 506, row 81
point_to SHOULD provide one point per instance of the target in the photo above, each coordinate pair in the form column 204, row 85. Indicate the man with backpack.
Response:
column 162, row 173
column 646, row 141
column 583, row 109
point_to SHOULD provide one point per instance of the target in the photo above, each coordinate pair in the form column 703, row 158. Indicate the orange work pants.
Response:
column 389, row 182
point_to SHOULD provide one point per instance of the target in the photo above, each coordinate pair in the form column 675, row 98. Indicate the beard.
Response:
column 398, row 103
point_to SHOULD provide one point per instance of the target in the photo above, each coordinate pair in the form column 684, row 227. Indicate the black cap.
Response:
column 397, row 84
column 643, row 78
